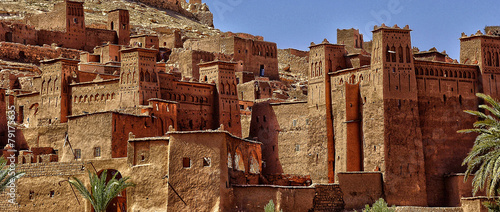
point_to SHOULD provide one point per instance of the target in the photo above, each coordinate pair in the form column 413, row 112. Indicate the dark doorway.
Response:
column 261, row 73
column 8, row 37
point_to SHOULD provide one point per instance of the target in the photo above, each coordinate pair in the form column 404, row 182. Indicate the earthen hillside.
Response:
column 143, row 17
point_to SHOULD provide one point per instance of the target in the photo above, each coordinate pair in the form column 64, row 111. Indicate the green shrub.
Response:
column 379, row 206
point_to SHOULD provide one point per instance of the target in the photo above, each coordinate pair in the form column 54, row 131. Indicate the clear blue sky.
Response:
column 297, row 23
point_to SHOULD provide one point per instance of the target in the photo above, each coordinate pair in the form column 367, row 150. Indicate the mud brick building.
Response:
column 65, row 26
column 382, row 112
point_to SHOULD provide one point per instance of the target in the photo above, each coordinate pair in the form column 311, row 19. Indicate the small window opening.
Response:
column 97, row 151
column 78, row 153
column 297, row 147
column 206, row 162
column 52, row 194
column 186, row 163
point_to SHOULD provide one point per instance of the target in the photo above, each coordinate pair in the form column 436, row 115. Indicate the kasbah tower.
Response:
column 203, row 120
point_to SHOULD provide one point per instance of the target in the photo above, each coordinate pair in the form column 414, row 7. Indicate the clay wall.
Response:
column 483, row 50
column 198, row 160
column 84, row 76
column 97, row 37
column 123, row 124
column 255, row 198
column 18, row 33
column 90, row 97
column 52, row 37
column 34, row 54
column 361, row 188
column 188, row 60
column 28, row 109
column 145, row 41
column 119, row 21
column 39, row 188
column 196, row 106
column 293, row 60
column 3, row 118
column 475, row 204
column 227, row 106
column 254, row 90
column 350, row 38
column 97, row 68
column 53, row 20
column 171, row 41
column 297, row 153
column 445, row 91
column 243, row 77
column 86, row 133
column 148, row 158
column 165, row 113
column 252, row 54
column 457, row 188
column 52, row 136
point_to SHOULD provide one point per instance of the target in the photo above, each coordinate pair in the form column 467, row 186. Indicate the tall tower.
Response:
column 54, row 93
column 138, row 77
column 403, row 166
column 118, row 20
column 227, row 110
column 75, row 25
column 483, row 50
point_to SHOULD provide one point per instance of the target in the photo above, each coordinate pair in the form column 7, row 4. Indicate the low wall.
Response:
column 33, row 54
column 286, row 198
column 475, row 204
column 457, row 189
column 361, row 188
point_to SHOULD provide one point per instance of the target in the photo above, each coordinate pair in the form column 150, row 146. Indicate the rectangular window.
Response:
column 97, row 151
column 297, row 147
column 206, row 162
column 186, row 163
column 78, row 153
column 294, row 123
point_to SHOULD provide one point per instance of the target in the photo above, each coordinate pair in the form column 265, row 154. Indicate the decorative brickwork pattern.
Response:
column 51, row 169
column 328, row 197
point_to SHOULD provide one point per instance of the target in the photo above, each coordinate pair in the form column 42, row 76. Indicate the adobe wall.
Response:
column 297, row 153
column 475, row 204
column 30, row 111
column 53, row 20
column 255, row 198
column 34, row 54
column 211, row 181
column 171, row 41
column 361, row 188
column 148, row 159
column 350, row 38
column 3, row 118
column 45, row 136
column 39, row 189
column 17, row 33
column 124, row 124
column 369, row 106
column 457, row 188
column 94, row 96
column 297, row 61
column 188, row 60
column 254, row 90
column 86, row 133
column 96, row 37
column 445, row 91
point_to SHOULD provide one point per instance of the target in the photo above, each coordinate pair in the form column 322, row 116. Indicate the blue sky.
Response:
column 295, row 24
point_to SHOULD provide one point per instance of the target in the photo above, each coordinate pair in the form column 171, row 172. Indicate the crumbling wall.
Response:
column 285, row 198
column 34, row 54
column 293, row 60
column 96, row 37
column 88, row 98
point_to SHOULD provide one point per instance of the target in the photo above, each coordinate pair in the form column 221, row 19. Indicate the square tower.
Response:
column 227, row 110
column 54, row 93
column 75, row 25
column 138, row 77
column 118, row 20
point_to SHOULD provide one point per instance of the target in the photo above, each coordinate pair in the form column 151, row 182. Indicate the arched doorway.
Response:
column 119, row 203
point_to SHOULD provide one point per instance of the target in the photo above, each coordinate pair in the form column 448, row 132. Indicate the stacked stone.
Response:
column 51, row 169
column 328, row 197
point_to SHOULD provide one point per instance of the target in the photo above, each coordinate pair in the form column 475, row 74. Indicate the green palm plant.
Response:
column 101, row 193
column 484, row 159
column 7, row 175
